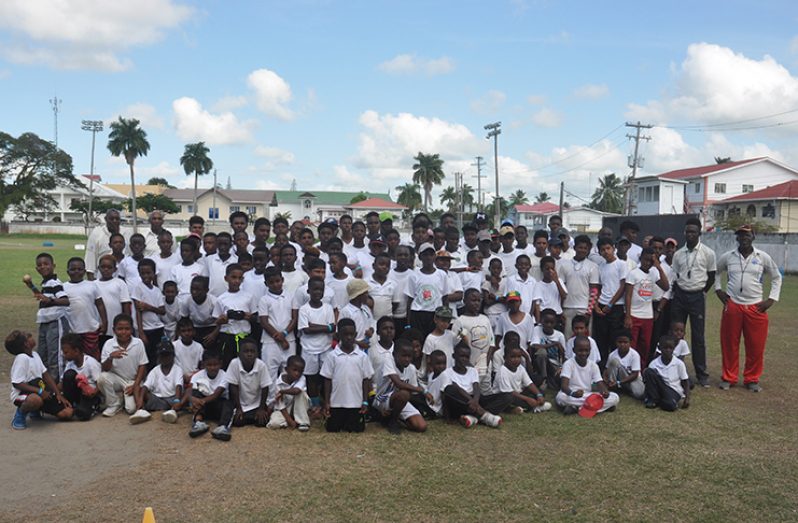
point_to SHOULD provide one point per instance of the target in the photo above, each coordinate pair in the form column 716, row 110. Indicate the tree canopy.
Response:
column 195, row 160
column 155, row 202
column 428, row 171
column 608, row 196
column 129, row 140
column 160, row 181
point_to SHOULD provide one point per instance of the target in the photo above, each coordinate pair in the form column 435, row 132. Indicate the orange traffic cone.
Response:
column 149, row 517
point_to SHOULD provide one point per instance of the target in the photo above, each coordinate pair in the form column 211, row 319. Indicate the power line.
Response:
column 605, row 153
column 727, row 129
column 561, row 160
column 697, row 126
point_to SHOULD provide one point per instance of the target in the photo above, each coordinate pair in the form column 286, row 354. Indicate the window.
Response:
column 751, row 211
column 213, row 213
column 190, row 208
column 719, row 214
column 308, row 204
column 234, row 208
column 697, row 187
column 656, row 193
column 768, row 211
column 649, row 194
column 251, row 209
column 641, row 194
column 734, row 211
column 179, row 208
column 748, row 188
column 720, row 188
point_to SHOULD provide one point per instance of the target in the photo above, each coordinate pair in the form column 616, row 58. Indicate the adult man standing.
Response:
column 744, row 310
column 99, row 239
column 695, row 266
column 151, row 235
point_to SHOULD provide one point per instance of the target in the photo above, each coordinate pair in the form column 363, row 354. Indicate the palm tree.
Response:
column 542, row 197
column 504, row 209
column 609, row 195
column 428, row 171
column 409, row 196
column 519, row 197
column 129, row 140
column 359, row 197
column 449, row 198
column 195, row 160
column 468, row 196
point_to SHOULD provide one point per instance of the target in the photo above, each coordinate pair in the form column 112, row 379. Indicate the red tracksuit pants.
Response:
column 747, row 321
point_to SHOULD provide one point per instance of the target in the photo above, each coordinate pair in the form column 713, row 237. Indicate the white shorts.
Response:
column 314, row 362
column 408, row 410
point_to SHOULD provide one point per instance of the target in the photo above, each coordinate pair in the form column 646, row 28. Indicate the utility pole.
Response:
column 562, row 199
column 94, row 126
column 213, row 209
column 458, row 189
column 479, row 177
column 634, row 162
column 494, row 130
column 55, row 103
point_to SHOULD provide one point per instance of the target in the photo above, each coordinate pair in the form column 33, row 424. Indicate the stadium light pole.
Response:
column 494, row 130
column 94, row 126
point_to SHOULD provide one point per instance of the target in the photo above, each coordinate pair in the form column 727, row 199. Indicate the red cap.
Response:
column 592, row 405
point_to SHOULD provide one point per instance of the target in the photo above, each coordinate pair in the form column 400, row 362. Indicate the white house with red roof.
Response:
column 776, row 205
column 700, row 189
column 575, row 219
column 359, row 210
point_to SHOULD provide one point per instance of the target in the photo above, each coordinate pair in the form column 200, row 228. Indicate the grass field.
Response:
column 730, row 456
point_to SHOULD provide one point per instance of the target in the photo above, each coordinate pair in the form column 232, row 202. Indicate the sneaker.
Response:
column 198, row 429
column 569, row 409
column 36, row 414
column 468, row 421
column 724, row 385
column 543, row 408
column 222, row 433
column 19, row 422
column 491, row 420
column 303, row 427
column 754, row 387
column 517, row 410
column 649, row 404
column 169, row 416
column 110, row 412
column 394, row 427
column 140, row 416
column 704, row 381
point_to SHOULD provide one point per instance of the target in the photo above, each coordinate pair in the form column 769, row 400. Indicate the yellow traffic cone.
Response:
column 149, row 517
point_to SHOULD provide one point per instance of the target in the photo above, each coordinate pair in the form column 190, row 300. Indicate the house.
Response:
column 533, row 216
column 218, row 204
column 776, row 205
column 575, row 219
column 706, row 186
column 316, row 206
column 359, row 210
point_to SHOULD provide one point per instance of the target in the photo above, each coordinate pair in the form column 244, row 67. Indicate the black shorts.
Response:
column 346, row 420
column 50, row 406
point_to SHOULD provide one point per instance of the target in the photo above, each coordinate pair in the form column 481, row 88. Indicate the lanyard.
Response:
column 744, row 267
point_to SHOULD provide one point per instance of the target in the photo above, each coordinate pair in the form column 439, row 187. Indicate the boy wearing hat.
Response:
column 454, row 287
column 425, row 291
column 359, row 312
column 441, row 338
column 508, row 253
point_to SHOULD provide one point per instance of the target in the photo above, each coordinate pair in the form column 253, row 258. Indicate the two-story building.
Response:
column 776, row 205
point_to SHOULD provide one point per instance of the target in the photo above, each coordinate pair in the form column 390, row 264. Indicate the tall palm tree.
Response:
column 195, row 160
column 519, row 197
column 449, row 199
column 409, row 196
column 129, row 140
column 609, row 195
column 428, row 171
column 468, row 196
column 542, row 197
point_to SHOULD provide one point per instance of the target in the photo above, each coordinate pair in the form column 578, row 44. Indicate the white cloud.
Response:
column 268, row 185
column 85, row 34
column 410, row 64
column 547, row 117
column 490, row 103
column 143, row 112
column 346, row 177
column 193, row 123
column 275, row 155
column 536, row 99
column 592, row 91
column 229, row 103
column 272, row 93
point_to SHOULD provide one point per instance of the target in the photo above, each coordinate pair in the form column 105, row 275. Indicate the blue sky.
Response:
column 341, row 95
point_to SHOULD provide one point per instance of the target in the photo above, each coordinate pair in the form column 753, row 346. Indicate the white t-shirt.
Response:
column 82, row 313
column 400, row 288
column 287, row 400
column 631, row 362
column 163, row 267
column 495, row 308
column 581, row 378
column 427, row 290
column 324, row 315
column 659, row 293
column 382, row 294
column 114, row 293
column 188, row 357
column 255, row 284
column 385, row 386
column 128, row 365
column 347, row 372
column 24, row 369
column 201, row 314
column 540, row 337
column 352, row 252
column 338, row 289
column 508, row 260
column 366, row 262
column 206, row 385
column 525, row 328
column 526, row 288
column 301, row 296
column 594, row 356
column 151, row 296
column 378, row 356
column 278, row 309
column 453, row 284
column 578, row 277
column 164, row 385
column 471, row 280
column 464, row 381
column 250, row 384
column 549, row 296
column 435, row 389
column 642, row 292
column 128, row 270
column 183, row 274
column 444, row 343
column 673, row 373
column 611, row 276
column 681, row 350
column 361, row 316
column 170, row 316
column 235, row 301
column 215, row 269
column 478, row 333
column 292, row 280
column 511, row 381
column 91, row 368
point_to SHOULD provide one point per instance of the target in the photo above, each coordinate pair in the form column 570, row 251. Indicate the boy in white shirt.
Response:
column 381, row 289
column 316, row 323
column 547, row 349
column 337, row 280
column 347, row 384
column 436, row 382
column 128, row 268
column 425, row 289
column 86, row 313
column 462, row 395
column 581, row 278
column 550, row 290
column 292, row 278
column 441, row 338
column 581, row 378
column 623, row 368
column 165, row 259
column 579, row 328
column 79, row 382
column 233, row 311
column 124, row 364
column 188, row 352
column 523, row 283
column 667, row 386
column 291, row 401
column 52, row 312
column 114, row 293
column 476, row 332
column 162, row 390
column 608, row 313
column 207, row 395
column 198, row 307
column 278, row 319
column 189, row 268
column 248, row 385
column 494, row 290
column 216, row 264
column 512, row 378
column 638, row 299
column 171, row 306
column 149, row 303
column 453, row 297
column 397, row 385
column 399, row 275
column 359, row 312
column 382, row 351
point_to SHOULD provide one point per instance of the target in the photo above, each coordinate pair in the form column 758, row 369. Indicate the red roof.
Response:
column 376, row 203
column 539, row 208
column 696, row 172
column 781, row 191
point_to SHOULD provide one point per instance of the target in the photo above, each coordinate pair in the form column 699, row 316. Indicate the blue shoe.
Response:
column 19, row 422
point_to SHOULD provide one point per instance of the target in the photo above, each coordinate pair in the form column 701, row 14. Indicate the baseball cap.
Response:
column 483, row 236
column 513, row 296
column 480, row 217
column 591, row 406
column 356, row 287
column 622, row 239
column 671, row 240
column 166, row 347
column 426, row 247
column 507, row 229
column 562, row 231
column 377, row 239
column 494, row 233
column 444, row 313
column 555, row 242
column 386, row 216
column 331, row 221
column 443, row 253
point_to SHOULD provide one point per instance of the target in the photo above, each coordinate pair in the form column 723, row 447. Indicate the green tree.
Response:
column 359, row 197
column 542, row 197
column 428, row 171
column 99, row 206
column 608, row 196
column 409, row 196
column 449, row 199
column 285, row 215
column 195, row 160
column 129, row 140
column 155, row 202
column 160, row 181
column 504, row 209
column 468, row 196
column 29, row 168
column 519, row 197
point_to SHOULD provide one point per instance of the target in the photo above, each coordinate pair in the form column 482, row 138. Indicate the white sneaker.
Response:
column 468, row 421
column 491, row 420
column 110, row 412
column 140, row 416
column 169, row 416
column 543, row 408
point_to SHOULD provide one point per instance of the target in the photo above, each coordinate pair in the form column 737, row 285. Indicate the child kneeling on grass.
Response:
column 291, row 400
column 248, row 384
column 580, row 378
column 667, row 386
column 397, row 385
column 623, row 368
column 207, row 395
column 79, row 382
column 33, row 390
column 512, row 378
column 162, row 390
column 462, row 397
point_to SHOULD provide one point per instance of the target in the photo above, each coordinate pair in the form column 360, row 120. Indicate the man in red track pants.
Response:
column 744, row 310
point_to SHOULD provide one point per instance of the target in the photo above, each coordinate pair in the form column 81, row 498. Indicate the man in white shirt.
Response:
column 99, row 239
column 744, row 309
column 151, row 235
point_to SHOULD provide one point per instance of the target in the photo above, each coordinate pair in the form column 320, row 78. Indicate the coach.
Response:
column 744, row 310
column 99, row 239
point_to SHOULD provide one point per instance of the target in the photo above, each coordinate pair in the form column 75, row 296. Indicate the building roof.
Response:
column 539, row 208
column 326, row 197
column 376, row 203
column 234, row 195
column 782, row 191
column 141, row 189
column 705, row 170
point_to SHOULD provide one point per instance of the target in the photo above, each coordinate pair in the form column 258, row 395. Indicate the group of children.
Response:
column 358, row 327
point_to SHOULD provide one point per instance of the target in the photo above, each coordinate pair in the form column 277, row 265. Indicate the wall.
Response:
column 783, row 248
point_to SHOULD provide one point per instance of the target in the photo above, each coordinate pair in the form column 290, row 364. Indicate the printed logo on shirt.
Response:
column 428, row 294
column 646, row 290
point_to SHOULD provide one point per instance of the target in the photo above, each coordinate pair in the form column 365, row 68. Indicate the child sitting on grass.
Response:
column 33, row 390
column 188, row 353
column 547, row 349
column 580, row 378
column 162, row 390
column 291, row 401
column 248, row 384
column 79, row 382
column 436, row 382
column 462, row 395
column 124, row 364
column 579, row 327
column 667, row 386
column 623, row 368
column 397, row 384
column 512, row 378
column 207, row 395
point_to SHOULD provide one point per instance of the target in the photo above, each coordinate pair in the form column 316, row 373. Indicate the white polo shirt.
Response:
column 277, row 309
column 549, row 295
column 631, row 362
column 164, row 385
column 382, row 294
column 188, row 357
column 692, row 267
column 201, row 314
column 287, row 400
column 324, row 315
column 746, row 276
column 114, row 293
column 347, row 372
column 511, row 381
column 672, row 373
column 183, row 274
column 163, row 267
column 464, row 381
column 215, row 269
column 236, row 301
column 524, row 287
column 128, row 365
column 250, row 384
column 206, row 385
